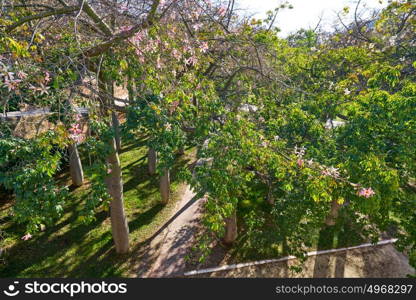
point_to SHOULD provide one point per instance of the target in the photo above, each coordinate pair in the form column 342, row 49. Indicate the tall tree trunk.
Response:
column 270, row 198
column 333, row 213
column 116, row 126
column 114, row 182
column 230, row 229
column 152, row 161
column 165, row 186
column 75, row 166
column 119, row 225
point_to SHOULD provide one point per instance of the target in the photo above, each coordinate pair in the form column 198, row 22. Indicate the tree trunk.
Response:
column 181, row 151
column 165, row 186
column 333, row 214
column 152, row 161
column 119, row 225
column 75, row 166
column 270, row 198
column 230, row 229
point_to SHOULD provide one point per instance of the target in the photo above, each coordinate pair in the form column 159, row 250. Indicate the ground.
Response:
column 372, row 262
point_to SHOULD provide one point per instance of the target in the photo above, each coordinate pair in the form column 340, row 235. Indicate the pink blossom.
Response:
column 203, row 47
column 191, row 61
column 176, row 54
column 331, row 171
column 47, row 78
column 10, row 75
column 75, row 132
column 42, row 89
column 300, row 163
column 125, row 28
column 123, row 7
column 21, row 75
column 158, row 63
column 11, row 84
column 140, row 55
column 197, row 26
column 366, row 192
column 26, row 237
column 264, row 144
column 221, row 11
column 299, row 151
column 109, row 171
column 75, row 129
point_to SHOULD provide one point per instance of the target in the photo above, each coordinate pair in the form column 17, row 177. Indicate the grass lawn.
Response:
column 73, row 249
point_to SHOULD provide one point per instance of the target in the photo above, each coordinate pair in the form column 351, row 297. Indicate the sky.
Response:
column 305, row 13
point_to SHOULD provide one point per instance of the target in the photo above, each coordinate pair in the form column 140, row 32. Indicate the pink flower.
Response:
column 197, row 26
column 21, row 75
column 191, row 61
column 140, row 55
column 123, row 8
column 11, row 84
column 47, row 77
column 42, row 89
column 75, row 129
column 176, row 54
column 26, row 237
column 10, row 75
column 331, row 171
column 366, row 192
column 158, row 63
column 204, row 47
column 75, row 132
column 300, row 163
column 109, row 171
column 222, row 10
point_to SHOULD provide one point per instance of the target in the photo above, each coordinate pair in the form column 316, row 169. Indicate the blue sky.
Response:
column 305, row 13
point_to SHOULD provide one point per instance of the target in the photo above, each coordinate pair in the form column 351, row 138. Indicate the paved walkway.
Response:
column 177, row 239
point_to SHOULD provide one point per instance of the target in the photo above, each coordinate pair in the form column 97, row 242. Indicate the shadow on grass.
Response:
column 74, row 249
column 47, row 254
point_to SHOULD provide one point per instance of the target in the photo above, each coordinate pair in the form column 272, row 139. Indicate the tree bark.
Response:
column 116, row 126
column 152, row 161
column 230, row 229
column 333, row 213
column 75, row 166
column 114, row 182
column 165, row 186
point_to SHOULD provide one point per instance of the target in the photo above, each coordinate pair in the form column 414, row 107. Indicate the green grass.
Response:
column 73, row 249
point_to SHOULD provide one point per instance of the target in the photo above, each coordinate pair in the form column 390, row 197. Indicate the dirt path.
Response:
column 177, row 239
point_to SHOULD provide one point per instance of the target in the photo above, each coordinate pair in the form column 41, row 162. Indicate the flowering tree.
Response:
column 295, row 136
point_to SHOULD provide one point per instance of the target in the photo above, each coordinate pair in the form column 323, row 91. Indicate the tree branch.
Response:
column 96, row 18
column 103, row 47
column 60, row 11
